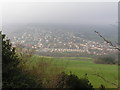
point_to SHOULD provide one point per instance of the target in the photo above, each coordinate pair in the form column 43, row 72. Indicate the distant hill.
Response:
column 84, row 31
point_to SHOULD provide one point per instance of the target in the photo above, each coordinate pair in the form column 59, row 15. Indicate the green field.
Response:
column 82, row 65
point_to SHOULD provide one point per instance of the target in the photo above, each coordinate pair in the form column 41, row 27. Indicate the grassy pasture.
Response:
column 80, row 66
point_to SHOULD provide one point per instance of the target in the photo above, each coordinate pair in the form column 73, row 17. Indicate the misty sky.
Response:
column 60, row 12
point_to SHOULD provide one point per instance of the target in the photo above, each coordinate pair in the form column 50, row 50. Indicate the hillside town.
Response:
column 60, row 41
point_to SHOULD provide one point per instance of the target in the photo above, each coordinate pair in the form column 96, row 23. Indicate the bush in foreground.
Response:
column 12, row 75
column 64, row 80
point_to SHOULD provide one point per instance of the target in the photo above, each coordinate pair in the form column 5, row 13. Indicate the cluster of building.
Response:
column 59, row 41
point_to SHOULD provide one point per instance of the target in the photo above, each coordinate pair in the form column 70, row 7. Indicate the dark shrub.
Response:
column 64, row 80
column 105, row 60
column 12, row 75
column 102, row 87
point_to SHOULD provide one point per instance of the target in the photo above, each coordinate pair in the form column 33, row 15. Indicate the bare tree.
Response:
column 117, row 46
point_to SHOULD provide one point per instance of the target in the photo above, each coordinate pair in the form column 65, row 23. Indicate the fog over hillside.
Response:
column 87, row 31
column 62, row 38
column 62, row 26
column 83, row 17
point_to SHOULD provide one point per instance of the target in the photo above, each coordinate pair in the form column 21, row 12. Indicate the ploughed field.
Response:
column 97, row 74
